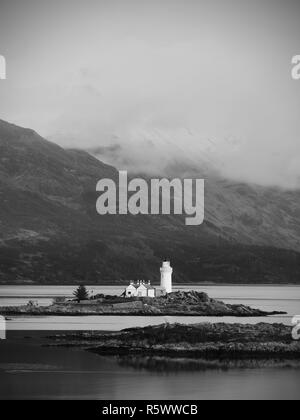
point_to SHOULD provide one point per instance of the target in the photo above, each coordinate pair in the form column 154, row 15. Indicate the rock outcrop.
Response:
column 178, row 303
column 209, row 340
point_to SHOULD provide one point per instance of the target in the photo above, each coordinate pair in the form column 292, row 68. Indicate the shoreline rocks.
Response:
column 195, row 340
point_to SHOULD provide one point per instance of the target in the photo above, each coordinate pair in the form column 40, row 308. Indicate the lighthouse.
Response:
column 166, row 276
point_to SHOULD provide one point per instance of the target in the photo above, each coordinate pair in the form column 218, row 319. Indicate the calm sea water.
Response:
column 30, row 371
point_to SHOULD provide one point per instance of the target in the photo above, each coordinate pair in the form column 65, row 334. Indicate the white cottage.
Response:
column 131, row 290
column 140, row 289
column 146, row 290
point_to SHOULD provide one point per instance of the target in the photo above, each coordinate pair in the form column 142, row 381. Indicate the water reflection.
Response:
column 162, row 364
column 28, row 370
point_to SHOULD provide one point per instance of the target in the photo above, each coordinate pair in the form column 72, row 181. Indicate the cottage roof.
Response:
column 147, row 286
column 136, row 286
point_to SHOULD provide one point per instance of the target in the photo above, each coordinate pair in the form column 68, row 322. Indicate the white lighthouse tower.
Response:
column 166, row 276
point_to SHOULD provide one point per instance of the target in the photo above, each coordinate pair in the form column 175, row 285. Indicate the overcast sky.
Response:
column 159, row 78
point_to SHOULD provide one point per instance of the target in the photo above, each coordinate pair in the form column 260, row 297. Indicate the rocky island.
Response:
column 179, row 303
column 193, row 341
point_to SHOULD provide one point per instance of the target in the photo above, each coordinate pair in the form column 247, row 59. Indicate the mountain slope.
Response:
column 50, row 231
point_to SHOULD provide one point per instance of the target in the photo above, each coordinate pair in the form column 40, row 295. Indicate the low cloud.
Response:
column 149, row 87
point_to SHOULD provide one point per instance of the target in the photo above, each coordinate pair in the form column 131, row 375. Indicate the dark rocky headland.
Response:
column 178, row 303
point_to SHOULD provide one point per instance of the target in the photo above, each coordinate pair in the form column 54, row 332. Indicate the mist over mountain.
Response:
column 250, row 213
column 153, row 152
column 50, row 231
